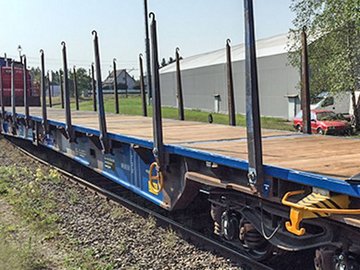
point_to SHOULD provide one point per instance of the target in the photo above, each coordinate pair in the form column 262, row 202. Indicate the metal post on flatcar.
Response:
column 93, row 87
column 116, row 94
column 61, row 89
column 44, row 121
column 158, row 149
column 26, row 95
column 69, row 128
column 2, row 95
column 305, row 88
column 142, row 86
column 126, row 85
column 253, row 126
column 49, row 89
column 179, row 86
column 147, row 52
column 230, row 85
column 13, row 94
column 105, row 143
column 76, row 93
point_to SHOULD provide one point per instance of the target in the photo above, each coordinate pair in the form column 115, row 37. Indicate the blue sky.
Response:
column 194, row 25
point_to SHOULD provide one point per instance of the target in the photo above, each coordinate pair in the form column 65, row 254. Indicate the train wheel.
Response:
column 329, row 259
column 254, row 243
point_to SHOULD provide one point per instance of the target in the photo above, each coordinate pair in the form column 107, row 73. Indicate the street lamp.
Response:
column 19, row 50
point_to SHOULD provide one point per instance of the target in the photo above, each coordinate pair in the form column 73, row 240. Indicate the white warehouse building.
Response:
column 204, row 80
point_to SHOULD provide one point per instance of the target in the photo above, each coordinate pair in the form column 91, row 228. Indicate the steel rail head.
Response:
column 158, row 149
column 254, row 143
column 179, row 91
column 116, row 94
column 68, row 128
column 26, row 95
column 104, row 140
column 230, row 85
column 142, row 85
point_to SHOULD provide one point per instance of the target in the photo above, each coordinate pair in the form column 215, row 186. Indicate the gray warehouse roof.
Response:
column 264, row 47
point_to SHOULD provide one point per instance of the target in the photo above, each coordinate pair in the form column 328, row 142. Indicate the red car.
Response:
column 324, row 122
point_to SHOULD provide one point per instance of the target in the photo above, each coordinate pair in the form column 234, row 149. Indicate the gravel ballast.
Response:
column 107, row 234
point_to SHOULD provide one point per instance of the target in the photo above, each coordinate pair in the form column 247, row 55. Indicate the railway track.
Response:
column 116, row 193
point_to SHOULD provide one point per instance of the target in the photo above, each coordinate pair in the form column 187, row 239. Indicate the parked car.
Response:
column 324, row 122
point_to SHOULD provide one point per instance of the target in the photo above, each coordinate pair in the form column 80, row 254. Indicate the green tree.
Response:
column 83, row 81
column 55, row 76
column 333, row 28
column 35, row 74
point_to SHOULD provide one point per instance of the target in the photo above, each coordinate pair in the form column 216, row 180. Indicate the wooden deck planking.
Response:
column 331, row 156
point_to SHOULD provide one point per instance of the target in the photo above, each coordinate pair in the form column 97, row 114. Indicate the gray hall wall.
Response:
column 276, row 78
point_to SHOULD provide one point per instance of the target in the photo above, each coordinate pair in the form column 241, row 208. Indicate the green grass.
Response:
column 132, row 106
column 18, row 255
column 23, row 189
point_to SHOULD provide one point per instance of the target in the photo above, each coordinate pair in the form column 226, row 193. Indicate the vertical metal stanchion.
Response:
column 44, row 121
column 255, row 171
column 142, row 86
column 179, row 86
column 116, row 95
column 100, row 99
column 147, row 52
column 76, row 93
column 2, row 94
column 13, row 94
column 305, row 87
column 26, row 94
column 69, row 128
column 93, row 87
column 126, row 85
column 158, row 149
column 230, row 85
column 49, row 90
column 61, row 89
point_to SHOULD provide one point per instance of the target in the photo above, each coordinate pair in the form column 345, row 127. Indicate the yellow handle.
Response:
column 156, row 182
column 314, row 209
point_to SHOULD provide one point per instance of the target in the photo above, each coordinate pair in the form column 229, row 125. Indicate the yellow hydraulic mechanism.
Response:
column 315, row 205
column 156, row 180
